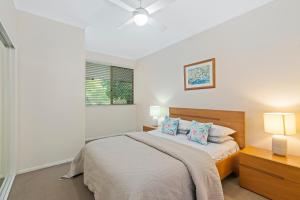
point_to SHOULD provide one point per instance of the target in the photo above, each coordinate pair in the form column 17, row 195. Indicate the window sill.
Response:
column 88, row 106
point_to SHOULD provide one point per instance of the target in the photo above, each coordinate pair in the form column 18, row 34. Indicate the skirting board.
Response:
column 6, row 186
column 22, row 171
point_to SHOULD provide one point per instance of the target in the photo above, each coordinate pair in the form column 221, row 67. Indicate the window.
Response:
column 108, row 85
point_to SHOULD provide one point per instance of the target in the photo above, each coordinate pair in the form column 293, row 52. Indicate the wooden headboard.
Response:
column 231, row 119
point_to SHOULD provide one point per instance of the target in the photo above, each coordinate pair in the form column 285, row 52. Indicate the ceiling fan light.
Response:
column 140, row 19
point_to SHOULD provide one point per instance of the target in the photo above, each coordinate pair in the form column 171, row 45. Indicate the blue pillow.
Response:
column 169, row 126
column 199, row 132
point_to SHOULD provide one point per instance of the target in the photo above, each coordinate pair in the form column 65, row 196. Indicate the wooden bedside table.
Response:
column 272, row 176
column 147, row 128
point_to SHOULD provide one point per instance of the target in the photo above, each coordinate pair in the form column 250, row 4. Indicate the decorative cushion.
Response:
column 169, row 126
column 199, row 132
column 219, row 140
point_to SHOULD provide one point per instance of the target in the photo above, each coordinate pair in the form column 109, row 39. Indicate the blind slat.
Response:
column 108, row 85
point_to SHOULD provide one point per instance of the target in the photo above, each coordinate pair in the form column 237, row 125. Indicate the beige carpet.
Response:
column 45, row 185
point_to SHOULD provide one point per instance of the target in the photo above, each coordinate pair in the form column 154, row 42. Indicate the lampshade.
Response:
column 154, row 111
column 280, row 123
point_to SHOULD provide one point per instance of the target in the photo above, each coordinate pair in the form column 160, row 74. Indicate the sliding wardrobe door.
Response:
column 8, row 113
column 3, row 156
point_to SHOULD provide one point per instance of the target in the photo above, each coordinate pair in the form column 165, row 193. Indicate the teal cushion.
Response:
column 199, row 132
column 169, row 126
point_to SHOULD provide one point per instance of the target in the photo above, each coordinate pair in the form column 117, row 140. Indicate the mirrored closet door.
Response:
column 8, row 113
column 3, row 152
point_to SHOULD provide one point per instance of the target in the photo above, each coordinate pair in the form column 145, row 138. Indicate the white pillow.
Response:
column 184, row 124
column 219, row 140
column 219, row 131
column 183, row 132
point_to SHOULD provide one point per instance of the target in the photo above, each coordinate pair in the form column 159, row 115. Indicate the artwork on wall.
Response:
column 200, row 75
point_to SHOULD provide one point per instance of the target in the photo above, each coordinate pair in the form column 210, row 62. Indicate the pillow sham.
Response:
column 183, row 132
column 184, row 124
column 219, row 131
column 199, row 132
column 219, row 140
column 169, row 126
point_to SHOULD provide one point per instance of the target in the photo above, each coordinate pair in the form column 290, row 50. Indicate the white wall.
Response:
column 257, row 65
column 52, row 112
column 109, row 119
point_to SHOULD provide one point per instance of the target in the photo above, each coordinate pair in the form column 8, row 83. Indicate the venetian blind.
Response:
column 108, row 85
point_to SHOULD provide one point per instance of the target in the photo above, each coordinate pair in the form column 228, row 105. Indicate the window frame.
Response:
column 111, row 82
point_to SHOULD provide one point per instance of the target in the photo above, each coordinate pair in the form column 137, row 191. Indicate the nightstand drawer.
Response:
column 276, row 169
column 265, row 184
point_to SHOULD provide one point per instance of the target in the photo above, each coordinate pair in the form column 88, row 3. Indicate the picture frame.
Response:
column 200, row 75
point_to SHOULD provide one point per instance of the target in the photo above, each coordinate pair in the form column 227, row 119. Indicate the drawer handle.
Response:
column 268, row 173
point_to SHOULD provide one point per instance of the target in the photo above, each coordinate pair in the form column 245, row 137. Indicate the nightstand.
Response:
column 272, row 176
column 147, row 128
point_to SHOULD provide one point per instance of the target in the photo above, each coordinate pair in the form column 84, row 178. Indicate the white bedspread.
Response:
column 139, row 166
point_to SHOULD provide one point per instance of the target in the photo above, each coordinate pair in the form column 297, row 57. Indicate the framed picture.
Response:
column 200, row 75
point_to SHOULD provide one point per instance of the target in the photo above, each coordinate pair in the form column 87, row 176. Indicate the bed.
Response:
column 140, row 166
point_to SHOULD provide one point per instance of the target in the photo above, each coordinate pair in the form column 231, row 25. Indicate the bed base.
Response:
column 228, row 166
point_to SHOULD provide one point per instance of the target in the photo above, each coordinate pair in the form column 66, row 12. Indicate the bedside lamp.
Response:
column 280, row 125
column 155, row 114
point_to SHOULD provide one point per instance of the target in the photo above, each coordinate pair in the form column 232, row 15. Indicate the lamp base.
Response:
column 279, row 145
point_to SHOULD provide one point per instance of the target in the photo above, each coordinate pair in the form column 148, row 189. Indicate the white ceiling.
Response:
column 100, row 18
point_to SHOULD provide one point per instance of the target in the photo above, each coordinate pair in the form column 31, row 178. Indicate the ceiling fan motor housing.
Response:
column 140, row 11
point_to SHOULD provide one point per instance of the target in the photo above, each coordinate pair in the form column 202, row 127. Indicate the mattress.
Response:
column 216, row 151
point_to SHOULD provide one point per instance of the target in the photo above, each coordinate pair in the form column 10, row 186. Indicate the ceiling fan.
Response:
column 142, row 16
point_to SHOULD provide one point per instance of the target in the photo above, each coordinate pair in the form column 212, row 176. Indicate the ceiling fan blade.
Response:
column 122, row 5
column 158, row 5
column 130, row 21
column 152, row 22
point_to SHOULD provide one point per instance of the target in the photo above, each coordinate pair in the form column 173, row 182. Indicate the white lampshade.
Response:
column 280, row 123
column 155, row 111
